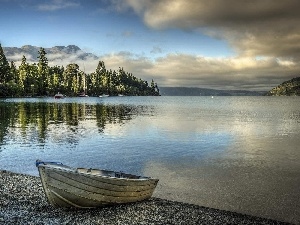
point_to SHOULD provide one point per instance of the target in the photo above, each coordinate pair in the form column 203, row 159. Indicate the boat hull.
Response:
column 65, row 187
column 58, row 97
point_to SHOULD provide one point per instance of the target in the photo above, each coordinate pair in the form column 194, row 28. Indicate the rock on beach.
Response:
column 22, row 201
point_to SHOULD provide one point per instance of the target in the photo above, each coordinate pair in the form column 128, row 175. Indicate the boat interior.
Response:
column 107, row 173
column 97, row 172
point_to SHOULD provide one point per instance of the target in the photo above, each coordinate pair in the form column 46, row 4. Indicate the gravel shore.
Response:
column 22, row 201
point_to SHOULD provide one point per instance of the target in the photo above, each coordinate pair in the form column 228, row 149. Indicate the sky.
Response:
column 232, row 44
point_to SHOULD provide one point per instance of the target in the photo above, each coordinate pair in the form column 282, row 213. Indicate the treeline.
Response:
column 39, row 79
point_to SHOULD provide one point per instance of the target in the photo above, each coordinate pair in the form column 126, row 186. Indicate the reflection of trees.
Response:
column 5, row 119
column 45, row 117
column 112, row 115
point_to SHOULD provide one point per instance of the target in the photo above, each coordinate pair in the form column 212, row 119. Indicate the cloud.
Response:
column 57, row 5
column 264, row 35
column 87, row 63
column 135, row 64
column 17, row 58
column 238, row 73
column 252, row 27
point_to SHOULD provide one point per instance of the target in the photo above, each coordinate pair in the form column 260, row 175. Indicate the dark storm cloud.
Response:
column 252, row 27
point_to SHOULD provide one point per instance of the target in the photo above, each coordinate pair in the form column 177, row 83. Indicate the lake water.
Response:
column 234, row 153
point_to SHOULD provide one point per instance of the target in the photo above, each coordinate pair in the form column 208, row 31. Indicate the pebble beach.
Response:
column 22, row 201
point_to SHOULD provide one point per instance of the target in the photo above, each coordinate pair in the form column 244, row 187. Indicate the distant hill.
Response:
column 287, row 88
column 186, row 91
column 54, row 53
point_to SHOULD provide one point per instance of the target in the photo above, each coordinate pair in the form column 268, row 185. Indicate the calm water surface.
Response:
column 234, row 153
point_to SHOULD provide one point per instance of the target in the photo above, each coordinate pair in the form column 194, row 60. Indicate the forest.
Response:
column 40, row 79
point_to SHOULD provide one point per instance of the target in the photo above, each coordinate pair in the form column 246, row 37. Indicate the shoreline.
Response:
column 22, row 201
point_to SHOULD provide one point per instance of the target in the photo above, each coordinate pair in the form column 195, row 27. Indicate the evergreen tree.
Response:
column 32, row 87
column 71, row 79
column 14, row 89
column 23, row 70
column 43, row 72
column 56, row 80
column 101, row 67
column 14, row 72
column 5, row 74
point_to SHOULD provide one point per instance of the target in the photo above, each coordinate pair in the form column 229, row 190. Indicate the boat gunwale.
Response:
column 67, row 169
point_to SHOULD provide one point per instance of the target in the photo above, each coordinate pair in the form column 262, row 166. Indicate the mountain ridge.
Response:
column 195, row 91
column 56, row 52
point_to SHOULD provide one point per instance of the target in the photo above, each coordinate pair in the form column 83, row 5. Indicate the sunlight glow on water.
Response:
column 233, row 153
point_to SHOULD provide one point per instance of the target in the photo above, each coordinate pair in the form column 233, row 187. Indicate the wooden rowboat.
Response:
column 65, row 186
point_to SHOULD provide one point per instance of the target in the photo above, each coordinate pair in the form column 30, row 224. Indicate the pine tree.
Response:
column 71, row 78
column 5, row 74
column 14, row 71
column 23, row 71
column 55, row 80
column 43, row 72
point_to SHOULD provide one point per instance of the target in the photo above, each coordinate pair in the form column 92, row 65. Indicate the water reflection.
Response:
column 39, row 119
